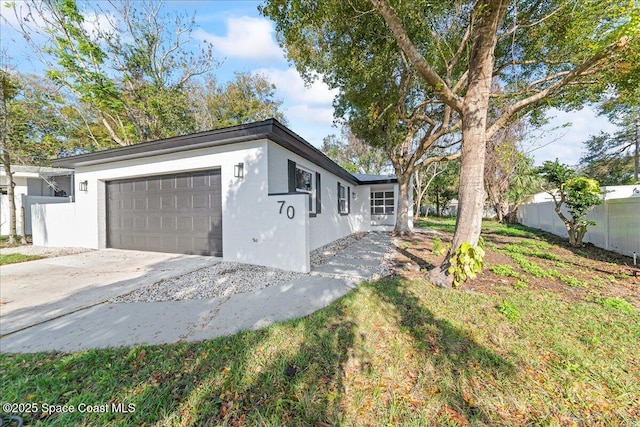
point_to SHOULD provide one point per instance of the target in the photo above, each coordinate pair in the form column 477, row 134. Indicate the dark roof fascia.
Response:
column 268, row 129
column 294, row 143
column 380, row 181
column 218, row 137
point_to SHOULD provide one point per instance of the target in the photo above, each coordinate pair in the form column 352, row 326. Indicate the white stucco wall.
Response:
column 28, row 186
column 20, row 189
column 261, row 225
column 254, row 231
column 329, row 225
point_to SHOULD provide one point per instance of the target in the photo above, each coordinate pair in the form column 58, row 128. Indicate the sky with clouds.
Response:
column 245, row 42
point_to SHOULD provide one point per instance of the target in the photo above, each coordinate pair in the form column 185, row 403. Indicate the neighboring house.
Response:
column 34, row 184
column 256, row 193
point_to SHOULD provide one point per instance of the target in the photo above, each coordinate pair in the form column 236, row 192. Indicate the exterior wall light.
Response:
column 83, row 185
column 238, row 170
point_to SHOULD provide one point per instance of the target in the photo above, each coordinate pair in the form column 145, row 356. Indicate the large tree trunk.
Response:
column 6, row 163
column 402, row 213
column 471, row 190
column 502, row 210
column 471, row 193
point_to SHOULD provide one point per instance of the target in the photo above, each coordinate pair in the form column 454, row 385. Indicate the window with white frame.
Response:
column 305, row 183
column 382, row 203
column 343, row 202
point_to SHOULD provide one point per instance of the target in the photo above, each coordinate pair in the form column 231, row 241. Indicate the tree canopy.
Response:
column 579, row 194
column 543, row 53
column 354, row 154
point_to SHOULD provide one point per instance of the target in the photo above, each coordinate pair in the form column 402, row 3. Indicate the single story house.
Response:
column 33, row 184
column 256, row 193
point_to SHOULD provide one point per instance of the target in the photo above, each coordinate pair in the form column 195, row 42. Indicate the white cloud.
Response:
column 13, row 12
column 99, row 22
column 290, row 85
column 306, row 113
column 247, row 38
column 566, row 143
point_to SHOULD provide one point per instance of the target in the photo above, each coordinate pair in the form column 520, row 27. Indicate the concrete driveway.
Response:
column 36, row 291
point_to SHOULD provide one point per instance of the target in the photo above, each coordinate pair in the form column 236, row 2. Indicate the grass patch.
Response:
column 504, row 270
column 511, row 230
column 526, row 249
column 530, row 266
column 393, row 352
column 509, row 311
column 438, row 247
column 15, row 258
column 438, row 223
column 617, row 303
column 515, row 252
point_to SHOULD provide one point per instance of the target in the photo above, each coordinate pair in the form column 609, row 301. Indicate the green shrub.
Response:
column 466, row 262
column 510, row 311
column 617, row 303
column 520, row 284
column 438, row 248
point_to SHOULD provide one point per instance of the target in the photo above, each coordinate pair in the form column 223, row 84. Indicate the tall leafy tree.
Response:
column 541, row 51
column 132, row 66
column 444, row 187
column 435, row 179
column 354, row 154
column 382, row 99
column 246, row 98
column 509, row 175
column 610, row 158
column 33, row 129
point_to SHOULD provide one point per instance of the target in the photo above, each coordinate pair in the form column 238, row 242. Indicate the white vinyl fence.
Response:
column 617, row 222
column 26, row 202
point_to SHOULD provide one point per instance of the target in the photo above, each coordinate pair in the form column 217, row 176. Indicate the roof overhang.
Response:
column 268, row 129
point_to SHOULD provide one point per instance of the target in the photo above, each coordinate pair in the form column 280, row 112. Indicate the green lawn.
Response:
column 14, row 258
column 394, row 352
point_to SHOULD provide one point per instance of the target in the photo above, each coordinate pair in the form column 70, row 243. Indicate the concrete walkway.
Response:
column 128, row 324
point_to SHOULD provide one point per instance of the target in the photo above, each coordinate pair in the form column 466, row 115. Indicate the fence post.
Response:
column 606, row 224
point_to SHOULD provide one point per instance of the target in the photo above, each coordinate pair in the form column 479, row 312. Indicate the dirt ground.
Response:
column 600, row 273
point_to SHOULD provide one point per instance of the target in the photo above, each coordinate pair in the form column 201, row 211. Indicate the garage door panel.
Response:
column 154, row 202
column 154, row 223
column 183, row 181
column 140, row 204
column 126, row 223
column 153, row 184
column 179, row 213
column 200, row 181
column 140, row 186
column 200, row 201
column 140, row 222
column 168, row 223
column 168, row 202
column 168, row 183
column 126, row 187
column 183, row 201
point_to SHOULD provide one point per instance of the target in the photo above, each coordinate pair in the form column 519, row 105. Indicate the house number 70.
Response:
column 291, row 212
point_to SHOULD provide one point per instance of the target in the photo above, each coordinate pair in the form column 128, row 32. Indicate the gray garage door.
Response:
column 179, row 213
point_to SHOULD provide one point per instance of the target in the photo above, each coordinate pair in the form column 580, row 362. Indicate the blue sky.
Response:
column 245, row 41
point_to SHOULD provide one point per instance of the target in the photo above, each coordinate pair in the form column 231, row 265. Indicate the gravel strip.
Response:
column 220, row 280
column 42, row 251
column 227, row 278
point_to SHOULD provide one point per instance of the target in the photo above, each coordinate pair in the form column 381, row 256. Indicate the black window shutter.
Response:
column 338, row 197
column 318, row 194
column 348, row 199
column 292, row 176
